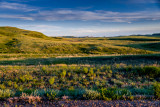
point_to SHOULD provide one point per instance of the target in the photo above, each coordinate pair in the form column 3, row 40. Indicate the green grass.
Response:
column 126, row 59
column 100, row 68
column 15, row 40
column 13, row 31
column 66, row 78
column 136, row 38
column 146, row 46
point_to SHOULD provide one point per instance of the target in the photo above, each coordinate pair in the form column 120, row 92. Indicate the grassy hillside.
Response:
column 146, row 46
column 13, row 31
column 15, row 40
column 33, row 65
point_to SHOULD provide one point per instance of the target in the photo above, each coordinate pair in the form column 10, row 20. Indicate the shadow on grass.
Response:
column 128, row 60
column 145, row 46
column 135, row 39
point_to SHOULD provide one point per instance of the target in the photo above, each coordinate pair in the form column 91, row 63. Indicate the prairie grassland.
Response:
column 89, row 78
column 35, row 66
column 92, row 60
column 14, row 40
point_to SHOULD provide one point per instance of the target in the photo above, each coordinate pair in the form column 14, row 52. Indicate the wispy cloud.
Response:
column 79, row 15
column 108, row 16
column 54, row 30
column 16, row 6
column 42, row 28
column 16, row 17
column 50, row 30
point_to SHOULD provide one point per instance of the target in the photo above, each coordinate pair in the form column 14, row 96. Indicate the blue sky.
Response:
column 82, row 17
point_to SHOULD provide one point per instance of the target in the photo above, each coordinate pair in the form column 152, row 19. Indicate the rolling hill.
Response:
column 13, row 31
column 15, row 40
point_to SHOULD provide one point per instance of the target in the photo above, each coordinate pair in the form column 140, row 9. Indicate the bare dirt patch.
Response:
column 84, row 103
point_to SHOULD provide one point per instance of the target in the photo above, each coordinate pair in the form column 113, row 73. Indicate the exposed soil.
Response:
column 85, row 103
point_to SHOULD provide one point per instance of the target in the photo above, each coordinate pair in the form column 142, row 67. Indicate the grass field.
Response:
column 14, row 40
column 34, row 67
column 81, row 77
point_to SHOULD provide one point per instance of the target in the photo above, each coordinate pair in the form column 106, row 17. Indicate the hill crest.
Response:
column 14, row 31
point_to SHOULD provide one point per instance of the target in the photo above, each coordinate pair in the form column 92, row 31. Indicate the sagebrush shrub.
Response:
column 6, row 93
column 114, row 94
column 85, row 70
column 51, row 95
column 63, row 74
column 91, row 95
column 2, row 86
column 157, row 90
column 51, row 80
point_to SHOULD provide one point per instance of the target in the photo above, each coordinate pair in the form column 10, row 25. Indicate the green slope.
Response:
column 146, row 46
column 15, row 40
column 13, row 31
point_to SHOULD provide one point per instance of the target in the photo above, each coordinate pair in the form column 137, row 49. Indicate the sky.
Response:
column 82, row 17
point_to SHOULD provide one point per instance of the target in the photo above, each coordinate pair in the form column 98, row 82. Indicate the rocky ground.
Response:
column 84, row 103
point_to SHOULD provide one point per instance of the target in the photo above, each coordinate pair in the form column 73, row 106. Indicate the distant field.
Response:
column 14, row 40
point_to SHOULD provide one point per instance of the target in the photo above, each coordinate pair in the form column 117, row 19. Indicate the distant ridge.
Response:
column 154, row 34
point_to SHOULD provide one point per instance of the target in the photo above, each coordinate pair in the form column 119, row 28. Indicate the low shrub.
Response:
column 157, row 90
column 6, row 93
column 142, row 91
column 115, row 94
column 91, row 95
column 105, row 95
column 63, row 74
column 9, row 83
column 46, row 93
column 74, row 93
column 123, row 94
column 85, row 70
column 30, row 98
column 2, row 86
column 51, row 94
column 28, row 91
column 51, row 80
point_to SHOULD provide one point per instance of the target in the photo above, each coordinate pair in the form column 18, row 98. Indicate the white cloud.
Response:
column 16, row 6
column 80, row 15
column 108, row 16
column 46, row 29
column 16, row 17
column 54, row 30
